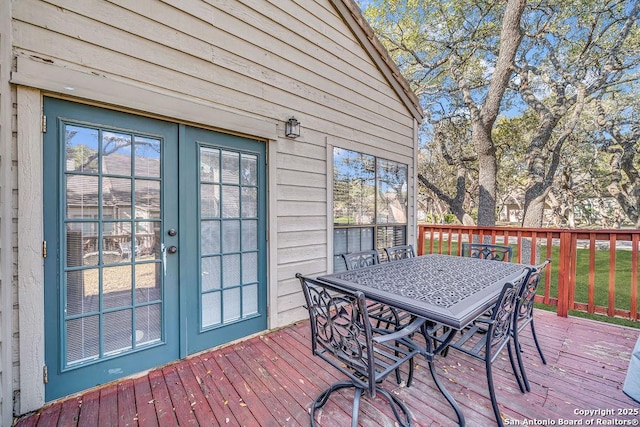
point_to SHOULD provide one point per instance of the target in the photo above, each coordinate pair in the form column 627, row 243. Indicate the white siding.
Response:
column 8, row 237
column 263, row 60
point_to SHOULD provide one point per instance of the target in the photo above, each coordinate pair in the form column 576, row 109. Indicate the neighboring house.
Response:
column 151, row 204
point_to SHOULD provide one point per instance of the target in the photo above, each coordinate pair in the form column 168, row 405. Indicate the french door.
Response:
column 156, row 243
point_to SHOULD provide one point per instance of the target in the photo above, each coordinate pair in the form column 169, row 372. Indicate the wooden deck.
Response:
column 271, row 380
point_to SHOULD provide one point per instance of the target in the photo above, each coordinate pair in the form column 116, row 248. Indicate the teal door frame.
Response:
column 182, row 284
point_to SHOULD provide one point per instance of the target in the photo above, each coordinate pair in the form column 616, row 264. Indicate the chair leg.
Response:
column 521, row 377
column 492, row 392
column 323, row 397
column 357, row 394
column 535, row 339
column 402, row 414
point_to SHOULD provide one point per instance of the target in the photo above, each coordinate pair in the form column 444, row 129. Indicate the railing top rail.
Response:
column 581, row 233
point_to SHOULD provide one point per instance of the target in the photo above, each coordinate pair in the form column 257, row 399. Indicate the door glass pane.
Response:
column 82, row 196
column 209, row 165
column 231, row 305
column 147, row 199
column 249, row 235
column 82, row 291
column 148, row 282
column 210, row 237
column 230, row 201
column 249, row 202
column 249, row 300
column 116, row 153
column 230, row 270
column 112, row 232
column 231, row 236
column 249, row 170
column 116, row 286
column 81, row 146
column 230, row 167
column 117, row 327
column 82, row 338
column 116, row 198
column 250, row 267
column 209, row 201
column 82, row 244
column 147, row 157
column 211, row 273
column 148, row 324
column 211, row 309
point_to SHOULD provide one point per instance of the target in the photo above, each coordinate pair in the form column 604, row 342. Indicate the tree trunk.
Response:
column 487, row 172
column 534, row 207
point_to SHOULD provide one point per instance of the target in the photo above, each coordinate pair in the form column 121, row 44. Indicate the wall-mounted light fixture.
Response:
column 292, row 128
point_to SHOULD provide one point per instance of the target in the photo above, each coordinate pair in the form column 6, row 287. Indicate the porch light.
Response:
column 292, row 128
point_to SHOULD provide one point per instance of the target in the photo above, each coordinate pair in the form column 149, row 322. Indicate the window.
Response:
column 369, row 203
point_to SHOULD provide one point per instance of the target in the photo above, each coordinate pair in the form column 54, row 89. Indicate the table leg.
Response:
column 429, row 355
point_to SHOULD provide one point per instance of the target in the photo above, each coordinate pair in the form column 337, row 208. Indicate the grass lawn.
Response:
column 623, row 283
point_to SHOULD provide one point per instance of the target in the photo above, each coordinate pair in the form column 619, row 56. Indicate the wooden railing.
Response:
column 595, row 271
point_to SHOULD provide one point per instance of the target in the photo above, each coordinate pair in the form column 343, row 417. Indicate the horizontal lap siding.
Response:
column 270, row 59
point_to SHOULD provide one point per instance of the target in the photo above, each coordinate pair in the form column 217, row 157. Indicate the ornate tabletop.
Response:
column 448, row 289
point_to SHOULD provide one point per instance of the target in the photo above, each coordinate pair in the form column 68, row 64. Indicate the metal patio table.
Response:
column 449, row 290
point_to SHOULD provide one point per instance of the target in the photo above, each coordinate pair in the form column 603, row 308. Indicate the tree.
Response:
column 482, row 58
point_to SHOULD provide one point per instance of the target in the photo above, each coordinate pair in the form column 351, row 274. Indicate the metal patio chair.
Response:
column 396, row 253
column 487, row 251
column 524, row 316
column 361, row 259
column 485, row 338
column 342, row 336
column 382, row 315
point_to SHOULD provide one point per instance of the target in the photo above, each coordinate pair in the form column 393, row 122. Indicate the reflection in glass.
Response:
column 116, row 153
column 147, row 199
column 82, row 243
column 392, row 191
column 81, row 149
column 82, row 196
column 249, row 170
column 230, row 167
column 116, row 286
column 147, row 240
column 209, row 201
column 209, row 165
column 353, row 188
column 147, row 157
column 116, row 198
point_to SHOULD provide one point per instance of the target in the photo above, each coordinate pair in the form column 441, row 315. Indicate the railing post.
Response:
column 564, row 273
column 420, row 248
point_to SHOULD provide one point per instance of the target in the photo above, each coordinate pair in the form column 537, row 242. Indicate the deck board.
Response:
column 271, row 380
